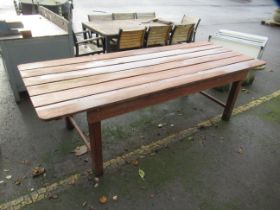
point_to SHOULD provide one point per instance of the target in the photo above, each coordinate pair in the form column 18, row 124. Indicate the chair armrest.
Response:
column 89, row 40
column 85, row 33
column 82, row 32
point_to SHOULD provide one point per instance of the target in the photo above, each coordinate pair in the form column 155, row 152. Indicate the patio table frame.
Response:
column 108, row 85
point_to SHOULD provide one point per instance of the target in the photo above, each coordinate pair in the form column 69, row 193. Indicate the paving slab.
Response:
column 228, row 166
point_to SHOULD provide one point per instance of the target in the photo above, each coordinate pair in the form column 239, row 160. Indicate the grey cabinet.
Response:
column 48, row 42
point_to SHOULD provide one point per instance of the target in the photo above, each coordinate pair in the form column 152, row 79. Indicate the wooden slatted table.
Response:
column 112, row 84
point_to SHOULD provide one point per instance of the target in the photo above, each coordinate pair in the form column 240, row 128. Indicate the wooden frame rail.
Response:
column 71, row 124
column 212, row 98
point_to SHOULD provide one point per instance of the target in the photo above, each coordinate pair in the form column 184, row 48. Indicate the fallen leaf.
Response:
column 6, row 170
column 18, row 182
column 96, row 185
column 160, row 125
column 141, row 173
column 190, row 138
column 52, row 196
column 115, row 198
column 8, row 177
column 32, row 189
column 72, row 182
column 245, row 90
column 84, row 204
column 1, row 181
column 135, row 162
column 171, row 125
column 80, row 150
column 89, row 173
column 37, row 171
column 103, row 199
column 201, row 127
column 240, row 150
column 25, row 162
column 96, row 179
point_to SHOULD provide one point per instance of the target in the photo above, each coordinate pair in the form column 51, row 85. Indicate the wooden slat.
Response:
column 145, row 15
column 123, row 16
column 107, row 69
column 95, row 101
column 131, row 39
column 158, row 35
column 190, row 20
column 182, row 33
column 69, row 61
column 104, row 17
column 84, row 81
column 86, row 65
column 174, row 71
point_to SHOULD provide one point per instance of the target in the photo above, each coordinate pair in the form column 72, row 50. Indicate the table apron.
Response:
column 98, row 114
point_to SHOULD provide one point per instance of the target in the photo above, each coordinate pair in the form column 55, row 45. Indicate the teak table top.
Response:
column 64, row 87
column 111, row 28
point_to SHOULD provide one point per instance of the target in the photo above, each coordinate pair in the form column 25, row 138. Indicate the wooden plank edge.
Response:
column 42, row 116
column 68, row 61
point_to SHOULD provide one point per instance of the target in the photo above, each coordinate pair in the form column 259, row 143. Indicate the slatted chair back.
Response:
column 100, row 17
column 123, row 16
column 158, row 35
column 181, row 33
column 131, row 39
column 191, row 20
column 145, row 15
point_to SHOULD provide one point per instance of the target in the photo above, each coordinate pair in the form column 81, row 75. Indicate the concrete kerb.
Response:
column 139, row 153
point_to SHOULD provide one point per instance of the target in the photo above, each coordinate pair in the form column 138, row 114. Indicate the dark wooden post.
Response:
column 96, row 147
column 68, row 123
column 84, row 29
column 235, row 88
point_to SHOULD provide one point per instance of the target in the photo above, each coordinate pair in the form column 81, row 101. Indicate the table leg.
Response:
column 68, row 123
column 235, row 88
column 107, row 44
column 96, row 147
column 98, row 41
column 84, row 28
